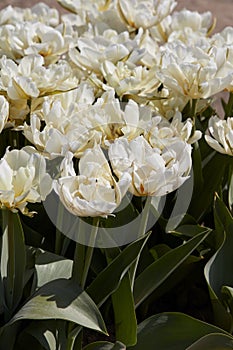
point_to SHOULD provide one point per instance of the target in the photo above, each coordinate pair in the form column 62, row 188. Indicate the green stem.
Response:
column 89, row 251
column 79, row 255
column 145, row 216
column 193, row 108
column 141, row 232
column 83, row 255
column 59, row 238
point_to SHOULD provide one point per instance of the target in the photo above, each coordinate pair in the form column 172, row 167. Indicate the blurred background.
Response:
column 222, row 10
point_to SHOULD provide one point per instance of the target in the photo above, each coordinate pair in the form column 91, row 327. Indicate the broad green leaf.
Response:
column 13, row 261
column 212, row 180
column 124, row 313
column 213, row 341
column 218, row 269
column 189, row 230
column 156, row 273
column 227, row 296
column 123, row 307
column 102, row 345
column 8, row 336
column 65, row 300
column 50, row 267
column 109, row 279
column 188, row 268
column 173, row 331
column 197, row 168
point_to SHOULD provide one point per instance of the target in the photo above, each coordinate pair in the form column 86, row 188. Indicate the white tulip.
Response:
column 91, row 6
column 25, row 38
column 153, row 172
column 145, row 13
column 161, row 133
column 91, row 51
column 4, row 112
column 221, row 135
column 31, row 78
column 74, row 122
column 64, row 125
column 169, row 105
column 94, row 191
column 39, row 12
column 193, row 72
column 198, row 22
column 131, row 81
column 223, row 38
column 23, row 179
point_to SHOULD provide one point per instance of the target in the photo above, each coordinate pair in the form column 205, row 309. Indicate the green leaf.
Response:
column 218, row 269
column 109, row 279
column 103, row 345
column 123, row 307
column 188, row 269
column 173, row 331
column 124, row 313
column 227, row 296
column 197, row 168
column 13, row 261
column 189, row 230
column 213, row 341
column 50, row 267
column 62, row 299
column 212, row 181
column 162, row 268
column 8, row 336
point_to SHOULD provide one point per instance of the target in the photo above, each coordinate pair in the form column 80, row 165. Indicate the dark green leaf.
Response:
column 218, row 269
column 123, row 307
column 213, row 341
column 155, row 274
column 203, row 199
column 13, row 261
column 124, row 313
column 102, row 345
column 109, row 279
column 171, row 331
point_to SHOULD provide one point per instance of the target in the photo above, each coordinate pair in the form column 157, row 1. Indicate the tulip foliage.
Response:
column 116, row 182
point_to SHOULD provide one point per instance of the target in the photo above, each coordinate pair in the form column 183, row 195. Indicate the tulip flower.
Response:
column 4, row 112
column 23, row 179
column 153, row 172
column 94, row 191
column 220, row 136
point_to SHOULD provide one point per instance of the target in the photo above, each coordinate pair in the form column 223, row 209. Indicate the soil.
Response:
column 221, row 10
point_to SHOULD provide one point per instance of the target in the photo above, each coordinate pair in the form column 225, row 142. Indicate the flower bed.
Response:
column 116, row 186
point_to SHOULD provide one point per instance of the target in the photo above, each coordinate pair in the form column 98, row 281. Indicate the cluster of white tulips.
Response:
column 106, row 84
